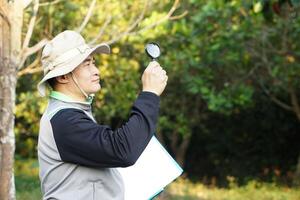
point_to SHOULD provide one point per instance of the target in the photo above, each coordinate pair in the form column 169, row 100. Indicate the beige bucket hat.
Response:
column 64, row 53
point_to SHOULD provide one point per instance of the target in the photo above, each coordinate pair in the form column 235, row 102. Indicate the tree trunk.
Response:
column 296, row 109
column 11, row 18
column 296, row 180
column 179, row 150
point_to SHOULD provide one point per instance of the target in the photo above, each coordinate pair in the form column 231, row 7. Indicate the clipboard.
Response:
column 153, row 170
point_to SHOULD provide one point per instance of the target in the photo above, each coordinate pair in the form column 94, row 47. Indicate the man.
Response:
column 77, row 156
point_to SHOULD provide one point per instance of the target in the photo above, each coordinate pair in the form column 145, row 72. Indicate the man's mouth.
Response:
column 96, row 80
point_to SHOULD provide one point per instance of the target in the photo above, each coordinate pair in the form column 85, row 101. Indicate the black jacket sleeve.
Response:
column 81, row 141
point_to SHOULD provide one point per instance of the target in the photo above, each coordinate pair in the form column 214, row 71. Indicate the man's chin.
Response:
column 95, row 89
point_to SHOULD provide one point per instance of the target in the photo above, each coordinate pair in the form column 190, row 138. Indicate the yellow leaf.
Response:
column 116, row 50
column 290, row 59
column 257, row 7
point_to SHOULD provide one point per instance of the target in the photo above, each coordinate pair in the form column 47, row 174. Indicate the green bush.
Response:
column 28, row 187
column 254, row 190
column 27, row 180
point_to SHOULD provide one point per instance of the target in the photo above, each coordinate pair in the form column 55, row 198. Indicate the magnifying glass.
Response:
column 153, row 50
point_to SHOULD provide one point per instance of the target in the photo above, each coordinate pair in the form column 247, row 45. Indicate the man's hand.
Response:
column 154, row 78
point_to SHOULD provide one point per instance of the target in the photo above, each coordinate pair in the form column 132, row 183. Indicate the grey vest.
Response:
column 68, row 181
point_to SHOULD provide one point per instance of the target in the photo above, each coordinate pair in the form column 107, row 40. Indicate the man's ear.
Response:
column 63, row 79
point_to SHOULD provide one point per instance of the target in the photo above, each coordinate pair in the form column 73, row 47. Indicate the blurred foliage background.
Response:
column 230, row 112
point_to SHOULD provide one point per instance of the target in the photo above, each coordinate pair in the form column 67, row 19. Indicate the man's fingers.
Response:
column 154, row 78
column 152, row 65
column 165, row 78
column 156, row 70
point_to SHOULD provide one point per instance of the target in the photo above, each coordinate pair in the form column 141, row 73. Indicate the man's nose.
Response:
column 95, row 70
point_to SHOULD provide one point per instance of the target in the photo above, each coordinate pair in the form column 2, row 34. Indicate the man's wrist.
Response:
column 151, row 91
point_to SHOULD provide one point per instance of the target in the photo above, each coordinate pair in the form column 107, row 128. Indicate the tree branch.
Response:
column 280, row 103
column 131, row 27
column 31, row 25
column 129, row 30
column 36, row 47
column 29, row 51
column 165, row 18
column 294, row 100
column 275, row 99
column 87, row 17
column 30, row 69
column 50, row 3
column 4, row 16
column 179, row 16
column 101, row 31
column 174, row 137
column 26, row 3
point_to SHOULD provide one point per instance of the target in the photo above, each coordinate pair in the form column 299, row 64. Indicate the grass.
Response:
column 27, row 180
column 183, row 189
column 28, row 187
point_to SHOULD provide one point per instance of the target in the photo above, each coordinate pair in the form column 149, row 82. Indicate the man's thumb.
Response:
column 152, row 65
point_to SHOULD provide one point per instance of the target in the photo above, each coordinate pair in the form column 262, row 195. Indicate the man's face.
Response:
column 87, row 75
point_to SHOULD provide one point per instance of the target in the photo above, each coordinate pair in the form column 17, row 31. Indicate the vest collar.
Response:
column 62, row 97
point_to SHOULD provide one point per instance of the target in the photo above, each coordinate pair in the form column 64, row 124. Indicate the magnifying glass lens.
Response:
column 153, row 50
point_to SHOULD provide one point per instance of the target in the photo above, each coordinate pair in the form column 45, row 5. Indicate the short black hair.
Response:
column 52, row 82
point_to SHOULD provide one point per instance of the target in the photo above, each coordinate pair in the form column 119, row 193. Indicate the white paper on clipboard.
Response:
column 154, row 169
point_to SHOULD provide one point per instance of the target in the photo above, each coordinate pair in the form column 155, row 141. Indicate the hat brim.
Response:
column 69, row 66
